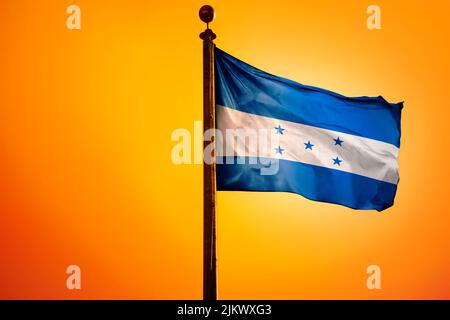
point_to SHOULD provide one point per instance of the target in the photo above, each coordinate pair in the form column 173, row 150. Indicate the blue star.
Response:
column 279, row 150
column 338, row 142
column 308, row 145
column 337, row 161
column 279, row 130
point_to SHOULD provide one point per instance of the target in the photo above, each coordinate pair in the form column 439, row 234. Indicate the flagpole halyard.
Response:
column 207, row 14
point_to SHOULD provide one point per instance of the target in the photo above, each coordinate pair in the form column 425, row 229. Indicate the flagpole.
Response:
column 207, row 14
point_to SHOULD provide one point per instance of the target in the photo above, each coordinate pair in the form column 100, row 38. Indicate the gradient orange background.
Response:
column 86, row 176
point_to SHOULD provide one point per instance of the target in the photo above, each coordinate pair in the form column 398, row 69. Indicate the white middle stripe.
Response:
column 362, row 156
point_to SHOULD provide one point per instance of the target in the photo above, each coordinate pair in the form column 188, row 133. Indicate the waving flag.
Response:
column 331, row 148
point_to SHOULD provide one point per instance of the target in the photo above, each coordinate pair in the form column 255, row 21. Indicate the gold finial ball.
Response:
column 207, row 14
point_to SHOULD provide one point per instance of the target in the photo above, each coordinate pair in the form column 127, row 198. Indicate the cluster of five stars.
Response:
column 309, row 145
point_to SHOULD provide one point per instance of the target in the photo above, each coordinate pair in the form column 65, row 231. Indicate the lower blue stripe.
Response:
column 312, row 182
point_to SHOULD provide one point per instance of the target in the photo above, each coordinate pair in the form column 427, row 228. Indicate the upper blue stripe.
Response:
column 248, row 89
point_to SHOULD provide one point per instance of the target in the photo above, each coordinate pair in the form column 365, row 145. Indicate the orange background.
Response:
column 86, row 176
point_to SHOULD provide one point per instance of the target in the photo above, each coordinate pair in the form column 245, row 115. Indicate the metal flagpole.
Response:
column 207, row 14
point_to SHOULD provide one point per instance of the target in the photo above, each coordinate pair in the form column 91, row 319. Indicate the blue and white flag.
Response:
column 329, row 148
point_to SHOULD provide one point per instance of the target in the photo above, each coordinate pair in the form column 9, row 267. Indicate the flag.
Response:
column 330, row 148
